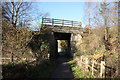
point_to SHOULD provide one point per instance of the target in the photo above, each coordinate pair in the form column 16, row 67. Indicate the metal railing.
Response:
column 60, row 22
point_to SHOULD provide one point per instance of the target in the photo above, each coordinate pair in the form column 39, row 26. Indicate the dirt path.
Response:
column 63, row 69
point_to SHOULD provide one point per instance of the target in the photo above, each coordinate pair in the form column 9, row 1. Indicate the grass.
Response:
column 47, row 69
column 78, row 72
column 34, row 71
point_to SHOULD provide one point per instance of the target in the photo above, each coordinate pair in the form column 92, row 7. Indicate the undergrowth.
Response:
column 78, row 72
column 22, row 71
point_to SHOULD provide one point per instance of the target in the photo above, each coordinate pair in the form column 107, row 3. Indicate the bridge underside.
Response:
column 63, row 36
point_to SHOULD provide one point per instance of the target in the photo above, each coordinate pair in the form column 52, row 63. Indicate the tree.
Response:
column 15, row 11
column 64, row 45
column 15, row 39
column 88, row 7
column 104, row 12
column 16, row 34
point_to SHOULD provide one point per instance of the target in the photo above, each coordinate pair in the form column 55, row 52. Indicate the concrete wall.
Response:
column 75, row 39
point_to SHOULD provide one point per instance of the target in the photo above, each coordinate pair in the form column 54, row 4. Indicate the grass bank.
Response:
column 78, row 72
column 23, row 71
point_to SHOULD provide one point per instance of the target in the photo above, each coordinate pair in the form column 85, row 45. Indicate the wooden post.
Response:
column 72, row 23
column 102, row 69
column 78, row 62
column 80, row 24
column 86, row 64
column 52, row 22
column 93, row 67
column 62, row 22
column 81, row 61
column 42, row 22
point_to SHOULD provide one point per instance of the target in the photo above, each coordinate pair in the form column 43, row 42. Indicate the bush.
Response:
column 95, row 44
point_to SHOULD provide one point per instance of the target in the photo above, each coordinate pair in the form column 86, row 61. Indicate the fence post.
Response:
column 86, row 64
column 81, row 61
column 52, row 22
column 72, row 23
column 80, row 24
column 102, row 69
column 93, row 67
column 42, row 22
column 62, row 22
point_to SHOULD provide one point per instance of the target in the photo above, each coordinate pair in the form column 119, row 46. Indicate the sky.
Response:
column 76, row 11
column 62, row 10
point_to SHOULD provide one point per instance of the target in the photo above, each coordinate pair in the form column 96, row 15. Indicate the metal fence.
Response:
column 60, row 22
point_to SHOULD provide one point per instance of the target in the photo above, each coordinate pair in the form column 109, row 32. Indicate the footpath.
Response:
column 63, row 69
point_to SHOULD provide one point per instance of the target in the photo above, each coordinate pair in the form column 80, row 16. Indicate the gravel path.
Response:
column 63, row 69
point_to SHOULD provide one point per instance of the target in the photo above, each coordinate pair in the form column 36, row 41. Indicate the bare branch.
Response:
column 17, row 11
column 12, row 13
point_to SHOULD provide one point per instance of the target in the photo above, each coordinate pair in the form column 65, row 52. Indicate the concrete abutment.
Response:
column 73, row 35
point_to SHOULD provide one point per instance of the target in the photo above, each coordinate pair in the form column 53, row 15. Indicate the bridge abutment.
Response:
column 72, row 34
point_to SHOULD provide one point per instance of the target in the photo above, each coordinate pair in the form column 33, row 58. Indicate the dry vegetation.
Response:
column 101, row 43
column 22, row 44
column 24, row 51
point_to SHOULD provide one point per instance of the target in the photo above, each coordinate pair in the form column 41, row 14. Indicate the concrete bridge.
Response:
column 58, row 29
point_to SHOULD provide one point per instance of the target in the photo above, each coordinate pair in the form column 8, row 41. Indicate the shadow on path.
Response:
column 63, row 69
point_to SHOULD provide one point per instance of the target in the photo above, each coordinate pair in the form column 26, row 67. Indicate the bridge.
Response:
column 60, row 29
column 60, row 22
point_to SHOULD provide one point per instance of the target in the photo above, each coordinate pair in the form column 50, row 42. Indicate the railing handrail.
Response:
column 60, row 22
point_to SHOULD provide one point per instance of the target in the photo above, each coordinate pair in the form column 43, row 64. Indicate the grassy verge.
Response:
column 46, row 70
column 22, row 71
column 78, row 72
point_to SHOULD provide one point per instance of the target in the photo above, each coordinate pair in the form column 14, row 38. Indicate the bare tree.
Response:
column 14, row 11
column 15, row 37
column 103, row 11
column 88, row 7
column 88, row 12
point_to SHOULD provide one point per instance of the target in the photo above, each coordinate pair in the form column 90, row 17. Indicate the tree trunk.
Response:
column 13, row 6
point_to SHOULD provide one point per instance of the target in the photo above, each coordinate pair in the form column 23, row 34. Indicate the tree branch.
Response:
column 17, row 12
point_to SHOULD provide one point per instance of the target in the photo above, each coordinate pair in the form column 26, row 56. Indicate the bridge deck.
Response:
column 60, row 22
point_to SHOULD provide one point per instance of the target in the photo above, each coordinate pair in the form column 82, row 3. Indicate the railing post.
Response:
column 52, row 22
column 81, row 61
column 42, row 22
column 80, row 24
column 93, row 67
column 62, row 22
column 102, row 69
column 86, row 64
column 72, row 23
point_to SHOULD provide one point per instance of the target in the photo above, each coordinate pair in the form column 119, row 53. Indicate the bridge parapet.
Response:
column 60, row 22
